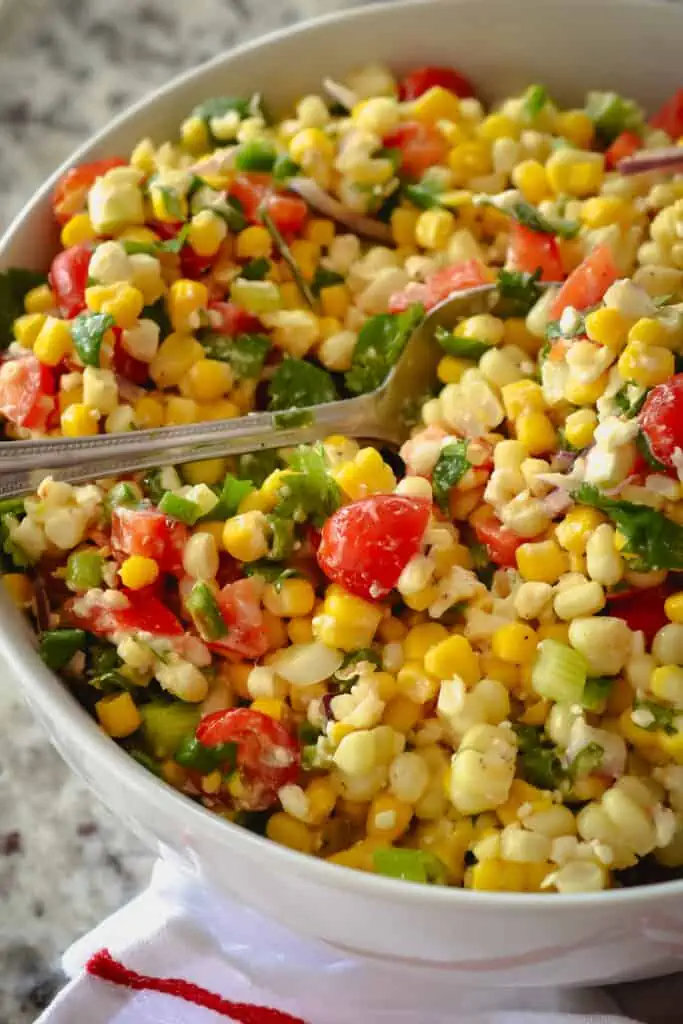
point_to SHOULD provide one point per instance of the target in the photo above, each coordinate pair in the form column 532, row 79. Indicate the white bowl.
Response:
column 491, row 939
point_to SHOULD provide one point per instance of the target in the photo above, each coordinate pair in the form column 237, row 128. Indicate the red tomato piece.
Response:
column 641, row 609
column 128, row 366
column 586, row 285
column 669, row 117
column 437, row 288
column 268, row 756
column 146, row 614
column 421, row 146
column 500, row 542
column 624, row 145
column 69, row 279
column 254, row 191
column 72, row 188
column 27, row 388
column 661, row 419
column 421, row 80
column 289, row 212
column 365, row 546
column 241, row 609
column 148, row 532
column 533, row 250
column 193, row 265
column 233, row 319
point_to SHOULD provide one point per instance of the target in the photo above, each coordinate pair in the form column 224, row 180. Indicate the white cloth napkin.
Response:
column 178, row 929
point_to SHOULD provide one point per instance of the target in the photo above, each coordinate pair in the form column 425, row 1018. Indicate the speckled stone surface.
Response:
column 66, row 66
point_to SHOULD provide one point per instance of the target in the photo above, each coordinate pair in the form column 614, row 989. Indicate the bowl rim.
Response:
column 46, row 688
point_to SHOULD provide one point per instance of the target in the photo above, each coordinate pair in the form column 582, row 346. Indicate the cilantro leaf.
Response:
column 88, row 331
column 465, row 348
column 324, row 278
column 309, row 492
column 425, row 194
column 14, row 285
column 530, row 217
column 656, row 540
column 256, row 466
column 157, row 312
column 518, row 291
column 219, row 106
column 662, row 717
column 272, row 572
column 381, row 341
column 172, row 201
column 627, row 403
column 255, row 270
column 246, row 353
column 612, row 114
column 296, row 384
column 449, row 470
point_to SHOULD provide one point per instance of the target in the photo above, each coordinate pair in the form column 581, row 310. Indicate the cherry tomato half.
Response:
column 148, row 532
column 669, row 117
column 641, row 609
column 69, row 279
column 624, row 145
column 586, row 285
column 421, row 80
column 72, row 188
column 255, row 191
column 268, row 756
column 533, row 250
column 241, row 609
column 27, row 388
column 145, row 613
column 661, row 419
column 365, row 546
column 500, row 542
column 437, row 288
column 233, row 320
column 421, row 146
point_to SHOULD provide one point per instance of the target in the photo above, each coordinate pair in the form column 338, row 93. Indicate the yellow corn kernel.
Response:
column 329, row 325
column 436, row 104
column 504, row 671
column 121, row 301
column 516, row 643
column 185, row 299
column 469, row 160
column 535, row 714
column 434, row 229
column 391, row 630
column 167, row 206
column 79, row 420
column 536, row 432
column 420, row 638
column 451, row 369
column 149, row 412
column 579, row 393
column 321, row 231
column 421, row 599
column 576, row 126
column 498, row 126
column 208, row 380
column 173, row 359
column 291, row 297
column 542, row 562
column 388, row 817
column 673, row 606
column 643, row 740
column 609, row 327
column 244, row 536
column 574, row 172
column 205, row 471
column 194, row 135
column 576, row 527
column 67, row 396
column 646, row 365
column 482, row 327
column 223, row 409
column 40, row 299
column 522, row 793
column 287, row 831
column 137, row 571
column 322, row 797
column 497, row 876
column 254, row 243
column 671, row 745
column 403, row 224
column 206, row 233
column 359, row 856
column 138, row 233
column 522, row 396
column 579, row 427
column 346, row 621
column 77, row 230
column 554, row 631
column 53, row 341
column 118, row 715
column 300, row 631
column 309, row 144
column 648, row 331
column 530, row 177
column 517, row 333
column 271, row 706
column 180, row 411
column 144, row 156
column 20, row 588
column 27, row 328
column 306, row 256
column 293, row 597
column 367, row 474
column 402, row 713
column 601, row 211
column 335, row 300
column 453, row 657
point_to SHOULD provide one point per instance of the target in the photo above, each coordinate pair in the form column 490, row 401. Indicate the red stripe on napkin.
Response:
column 102, row 965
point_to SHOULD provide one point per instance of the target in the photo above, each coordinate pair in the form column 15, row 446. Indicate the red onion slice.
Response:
column 323, row 202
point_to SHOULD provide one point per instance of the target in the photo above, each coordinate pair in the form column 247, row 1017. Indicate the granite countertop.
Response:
column 66, row 66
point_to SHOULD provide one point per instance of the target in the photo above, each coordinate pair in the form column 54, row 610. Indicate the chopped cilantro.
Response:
column 612, row 114
column 654, row 539
column 662, row 717
column 425, row 194
column 380, row 343
column 297, row 384
column 246, row 353
column 309, row 492
column 449, row 470
column 464, row 348
column 518, row 290
column 88, row 331
column 324, row 278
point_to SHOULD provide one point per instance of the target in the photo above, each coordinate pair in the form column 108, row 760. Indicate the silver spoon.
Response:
column 381, row 415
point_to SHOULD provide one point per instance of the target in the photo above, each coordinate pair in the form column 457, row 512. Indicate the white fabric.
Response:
column 178, row 929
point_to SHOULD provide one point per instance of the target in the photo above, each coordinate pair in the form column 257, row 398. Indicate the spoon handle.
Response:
column 23, row 464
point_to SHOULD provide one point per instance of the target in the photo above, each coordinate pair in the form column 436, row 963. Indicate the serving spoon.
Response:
column 380, row 415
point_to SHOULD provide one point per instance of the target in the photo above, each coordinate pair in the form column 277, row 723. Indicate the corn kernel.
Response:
column 40, row 299
column 77, row 230
column 185, row 299
column 451, row 657
column 287, row 831
column 522, row 396
column 388, row 817
column 118, row 715
column 149, row 412
column 208, row 380
column 174, row 357
column 436, row 104
column 346, row 621
column 420, row 638
column 515, row 643
column 205, row 471
column 180, row 411
column 518, row 334
column 27, row 328
column 542, row 562
column 646, row 365
column 673, row 606
column 648, row 331
column 469, row 160
column 121, row 301
column 20, row 588
column 309, row 144
column 575, row 173
column 245, row 536
column 300, row 631
column 601, row 211
column 403, row 225
column 402, row 714
column 579, row 427
column 451, row 369
column 367, row 474
column 434, row 229
column 530, row 177
column 169, row 207
column 206, row 233
column 576, row 527
column 608, row 326
column 320, row 231
column 335, row 300
column 294, row 597
column 576, row 126
column 79, row 420
column 137, row 571
column 498, row 126
column 536, row 432
column 254, row 243
column 194, row 135
column 271, row 706
column 579, row 393
column 53, row 341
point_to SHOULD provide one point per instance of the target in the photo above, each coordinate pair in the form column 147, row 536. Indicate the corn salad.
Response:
column 461, row 666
